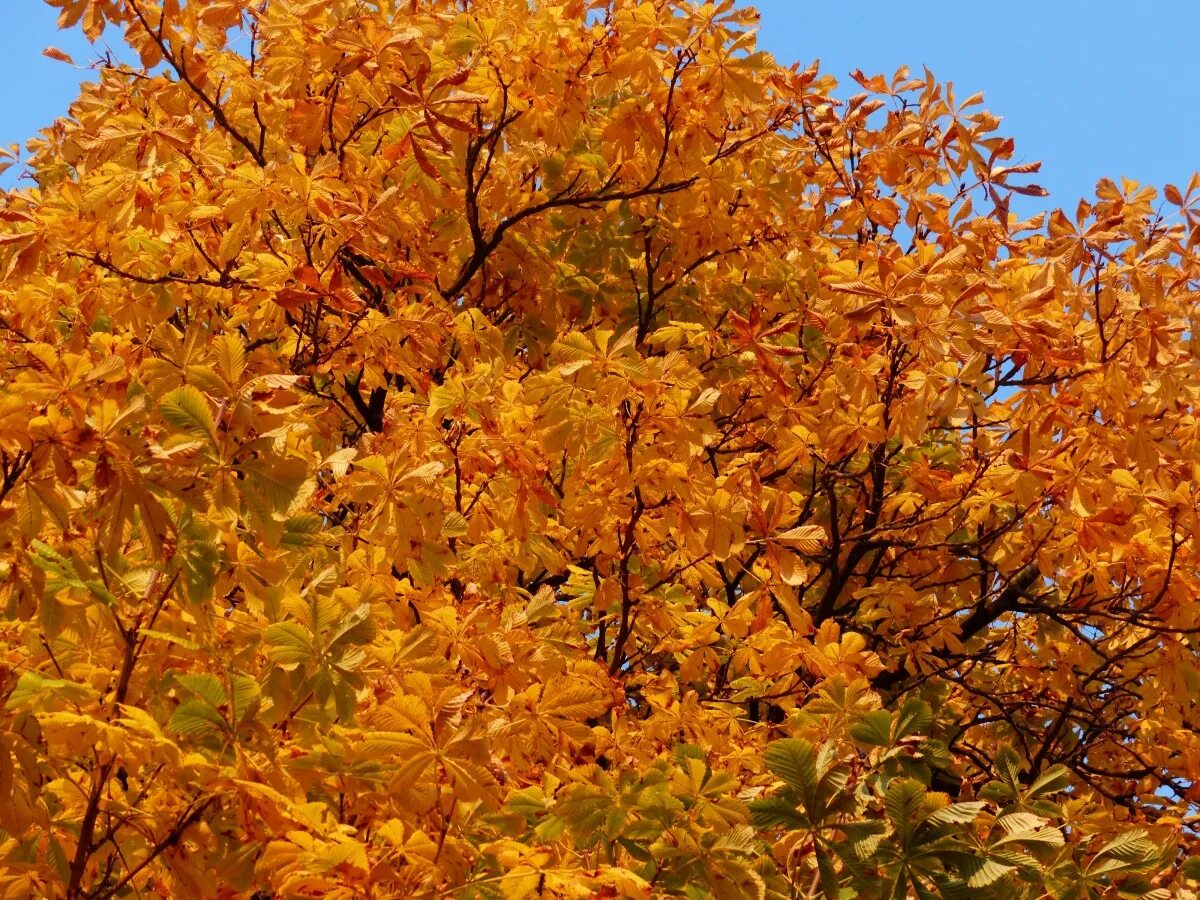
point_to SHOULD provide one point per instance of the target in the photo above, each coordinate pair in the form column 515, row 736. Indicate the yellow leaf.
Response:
column 803, row 538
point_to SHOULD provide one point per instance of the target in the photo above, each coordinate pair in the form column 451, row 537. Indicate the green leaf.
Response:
column 207, row 687
column 527, row 801
column 826, row 871
column 186, row 409
column 1130, row 846
column 1114, row 866
column 193, row 718
column 903, row 802
column 33, row 686
column 200, row 561
column 51, row 561
column 170, row 638
column 776, row 812
column 740, row 839
column 915, row 717
column 454, row 525
column 1051, row 781
column 795, row 761
column 1008, row 767
column 874, row 728
column 863, row 839
column 934, row 754
column 684, row 752
column 827, row 758
column 1021, row 827
column 301, row 531
column 355, row 628
column 1133, row 851
column 983, row 871
column 288, row 643
column 550, row 829
column 957, row 813
column 246, row 694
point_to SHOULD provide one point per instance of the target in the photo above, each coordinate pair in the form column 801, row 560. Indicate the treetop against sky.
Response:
column 509, row 450
column 1094, row 88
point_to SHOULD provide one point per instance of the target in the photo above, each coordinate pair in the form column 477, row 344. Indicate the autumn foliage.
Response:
column 520, row 448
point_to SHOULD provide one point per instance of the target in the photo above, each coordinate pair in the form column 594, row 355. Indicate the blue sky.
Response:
column 1092, row 89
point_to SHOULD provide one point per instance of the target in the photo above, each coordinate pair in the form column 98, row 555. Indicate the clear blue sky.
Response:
column 1093, row 89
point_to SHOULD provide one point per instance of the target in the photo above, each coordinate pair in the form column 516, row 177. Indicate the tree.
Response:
column 499, row 448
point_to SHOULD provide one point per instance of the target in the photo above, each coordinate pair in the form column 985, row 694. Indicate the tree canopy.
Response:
column 515, row 448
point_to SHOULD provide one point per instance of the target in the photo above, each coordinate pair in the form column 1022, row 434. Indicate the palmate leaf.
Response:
column 1191, row 868
column 175, row 639
column 683, row 752
column 277, row 479
column 50, row 560
column 957, row 813
column 244, row 694
column 863, row 839
column 35, row 688
column 803, row 538
column 833, row 781
column 569, row 398
column 526, row 801
column 1129, row 847
column 1050, row 781
column 207, row 381
column 740, row 839
column 873, row 728
column 200, row 561
column 1008, row 786
column 196, row 718
column 915, row 717
column 207, row 687
column 229, row 353
column 391, row 743
column 288, row 643
column 903, row 801
column 187, row 409
column 54, row 563
column 827, row 872
column 472, row 780
column 413, row 766
column 354, row 628
column 1028, row 829
column 777, row 812
column 985, row 871
column 1112, row 866
column 795, row 761
column 572, row 701
column 302, row 530
column 923, row 892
